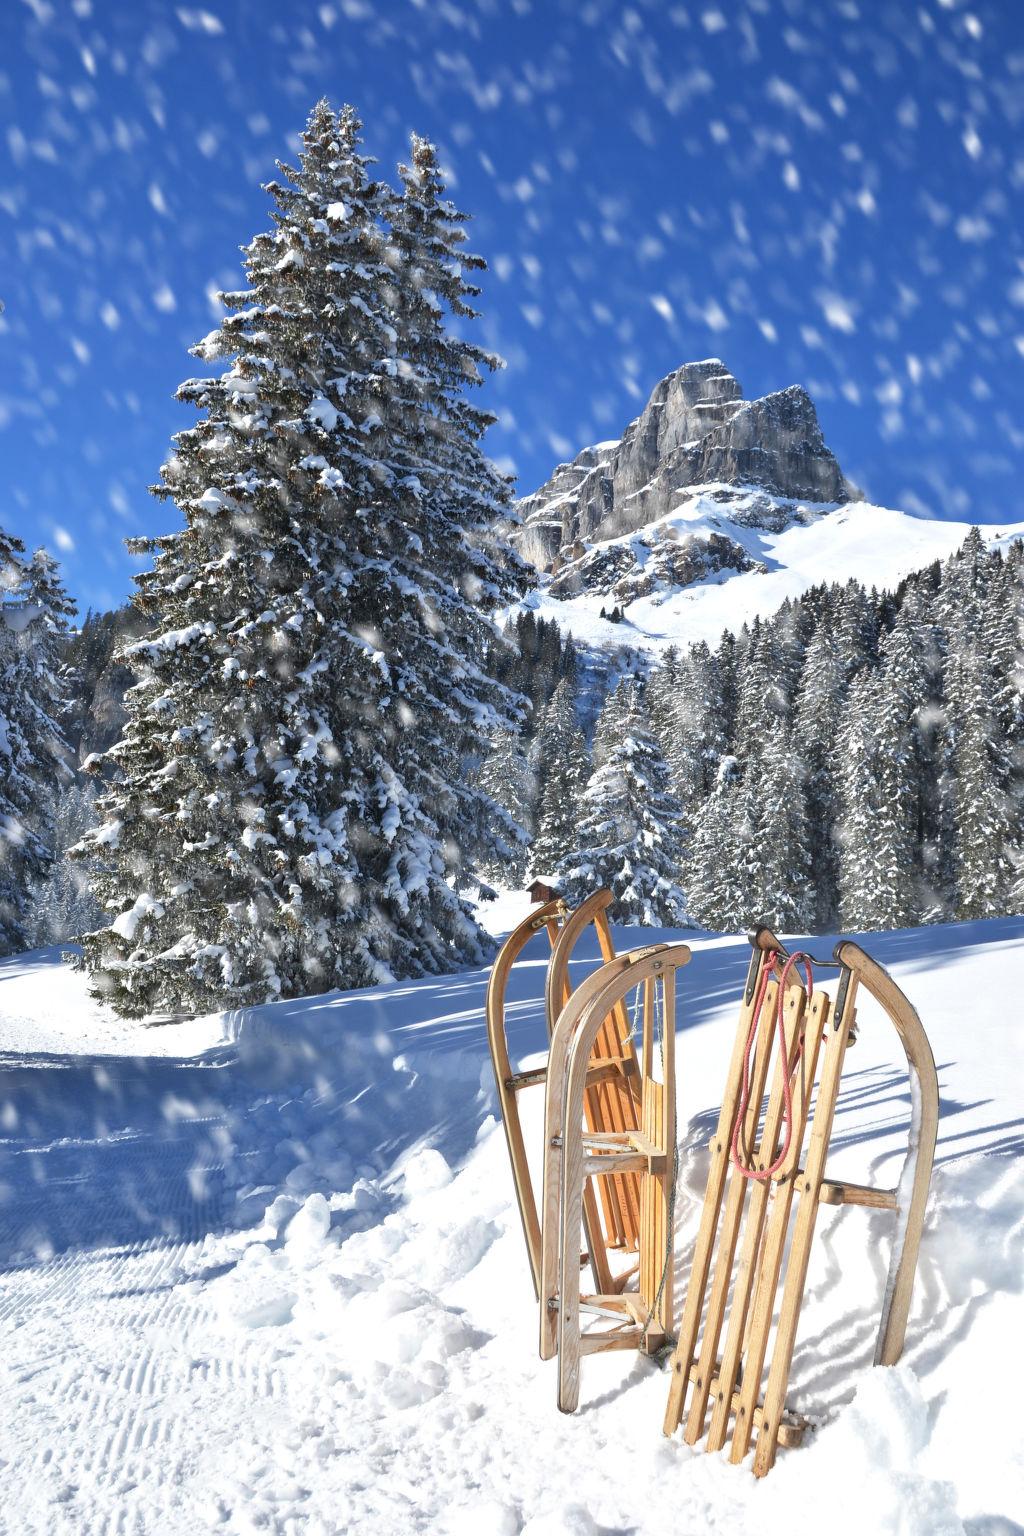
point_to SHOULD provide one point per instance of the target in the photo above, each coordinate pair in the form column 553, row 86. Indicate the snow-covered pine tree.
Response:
column 715, row 893
column 956, row 607
column 876, row 829
column 791, row 630
column 664, row 680
column 616, row 708
column 284, row 820
column 685, row 697
column 819, row 706
column 762, row 700
column 750, row 857
column 463, row 565
column 507, row 781
column 563, row 771
column 856, row 625
column 985, row 848
column 62, row 908
column 628, row 836
column 912, row 673
column 773, row 864
column 1002, row 633
column 702, row 723
column 34, row 755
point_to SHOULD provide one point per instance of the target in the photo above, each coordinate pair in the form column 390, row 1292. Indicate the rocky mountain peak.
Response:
column 695, row 430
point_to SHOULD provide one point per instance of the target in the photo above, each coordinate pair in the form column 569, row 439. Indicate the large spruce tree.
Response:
column 629, row 833
column 563, row 769
column 876, row 830
column 288, row 812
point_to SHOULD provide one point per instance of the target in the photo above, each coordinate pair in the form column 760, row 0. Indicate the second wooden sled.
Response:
column 640, row 1319
column 753, row 1184
column 611, row 1098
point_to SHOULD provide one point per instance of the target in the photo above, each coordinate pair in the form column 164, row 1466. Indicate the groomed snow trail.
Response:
column 263, row 1274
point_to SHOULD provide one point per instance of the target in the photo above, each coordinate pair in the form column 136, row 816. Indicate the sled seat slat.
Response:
column 615, row 1068
column 833, row 1193
column 792, row 1430
column 597, row 1343
column 604, row 1163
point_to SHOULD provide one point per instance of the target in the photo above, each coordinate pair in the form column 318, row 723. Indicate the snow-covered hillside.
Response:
column 878, row 546
column 263, row 1273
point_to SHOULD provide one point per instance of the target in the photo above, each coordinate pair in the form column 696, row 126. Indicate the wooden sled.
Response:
column 612, row 1096
column 640, row 1319
column 749, row 1215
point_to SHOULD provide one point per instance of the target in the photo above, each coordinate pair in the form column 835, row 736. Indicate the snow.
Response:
column 264, row 1272
column 126, row 923
column 323, row 413
column 878, row 546
column 17, row 616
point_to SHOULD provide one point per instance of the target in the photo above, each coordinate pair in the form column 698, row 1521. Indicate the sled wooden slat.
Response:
column 694, row 1302
column 792, row 1428
column 556, row 994
column 730, row 1226
column 598, row 1343
column 754, row 1240
column 659, row 1132
column 753, row 1231
column 809, row 1188
column 748, row 1414
column 857, row 1194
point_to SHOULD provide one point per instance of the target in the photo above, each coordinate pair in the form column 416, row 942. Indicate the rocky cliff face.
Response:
column 695, row 430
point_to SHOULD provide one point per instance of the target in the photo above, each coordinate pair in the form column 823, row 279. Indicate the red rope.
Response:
column 741, row 1163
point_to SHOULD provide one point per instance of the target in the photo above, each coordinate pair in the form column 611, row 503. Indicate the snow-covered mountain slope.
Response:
column 874, row 545
column 628, row 525
column 266, row 1274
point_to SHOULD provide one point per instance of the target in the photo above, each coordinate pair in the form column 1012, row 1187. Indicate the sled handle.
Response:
column 915, row 1177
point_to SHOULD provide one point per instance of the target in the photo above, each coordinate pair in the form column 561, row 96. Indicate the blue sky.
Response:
column 824, row 192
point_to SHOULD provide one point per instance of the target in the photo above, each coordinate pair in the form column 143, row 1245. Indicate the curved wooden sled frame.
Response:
column 611, row 1101
column 731, row 1382
column 641, row 1318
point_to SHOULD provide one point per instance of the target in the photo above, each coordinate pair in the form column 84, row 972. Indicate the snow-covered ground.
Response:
column 878, row 546
column 262, row 1273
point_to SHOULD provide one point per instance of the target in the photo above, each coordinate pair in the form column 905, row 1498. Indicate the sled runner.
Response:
column 640, row 1319
column 750, row 1194
column 611, row 1100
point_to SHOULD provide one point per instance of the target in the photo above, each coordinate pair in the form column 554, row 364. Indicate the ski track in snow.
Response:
column 263, row 1273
